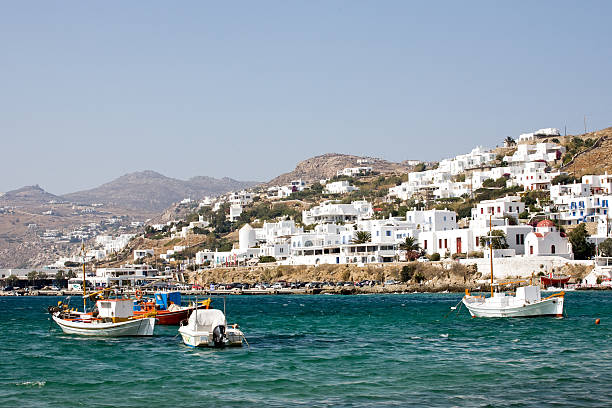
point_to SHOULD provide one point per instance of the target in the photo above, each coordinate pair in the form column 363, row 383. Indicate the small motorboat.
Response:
column 110, row 318
column 208, row 328
column 166, row 307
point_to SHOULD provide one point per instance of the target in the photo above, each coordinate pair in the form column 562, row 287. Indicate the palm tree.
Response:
column 412, row 248
column 361, row 237
column 508, row 141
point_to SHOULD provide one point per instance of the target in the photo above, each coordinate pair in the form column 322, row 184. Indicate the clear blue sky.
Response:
column 90, row 91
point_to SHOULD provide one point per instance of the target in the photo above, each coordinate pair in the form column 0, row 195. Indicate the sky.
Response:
column 90, row 91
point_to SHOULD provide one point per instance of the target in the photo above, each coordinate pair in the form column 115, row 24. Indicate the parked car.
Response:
column 391, row 282
column 277, row 286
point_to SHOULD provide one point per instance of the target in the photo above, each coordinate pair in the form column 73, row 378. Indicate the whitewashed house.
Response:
column 332, row 212
column 546, row 240
column 339, row 187
column 142, row 253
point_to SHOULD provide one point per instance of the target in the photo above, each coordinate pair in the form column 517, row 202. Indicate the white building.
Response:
column 541, row 133
column 332, row 212
column 547, row 152
column 339, row 187
column 234, row 212
column 432, row 220
column 142, row 253
column 241, row 198
column 548, row 241
column 354, row 171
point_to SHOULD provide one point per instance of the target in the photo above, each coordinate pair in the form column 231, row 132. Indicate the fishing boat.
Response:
column 166, row 307
column 554, row 281
column 526, row 302
column 209, row 328
column 109, row 317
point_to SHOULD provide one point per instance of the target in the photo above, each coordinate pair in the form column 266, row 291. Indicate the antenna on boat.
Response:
column 491, row 248
column 84, row 280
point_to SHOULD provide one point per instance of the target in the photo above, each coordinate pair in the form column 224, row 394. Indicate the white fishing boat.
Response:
column 111, row 318
column 526, row 302
column 208, row 328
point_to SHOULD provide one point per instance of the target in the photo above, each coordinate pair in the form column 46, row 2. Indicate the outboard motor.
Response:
column 219, row 336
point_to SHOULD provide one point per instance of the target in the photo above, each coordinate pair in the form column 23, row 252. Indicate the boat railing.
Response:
column 559, row 294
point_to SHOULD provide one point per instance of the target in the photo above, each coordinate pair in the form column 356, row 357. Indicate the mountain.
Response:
column 326, row 166
column 28, row 195
column 154, row 192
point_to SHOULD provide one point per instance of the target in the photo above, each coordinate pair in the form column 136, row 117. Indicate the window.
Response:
column 552, row 249
column 440, row 243
column 530, row 249
column 445, row 243
column 518, row 239
column 425, row 244
column 477, row 241
column 388, row 233
column 482, row 210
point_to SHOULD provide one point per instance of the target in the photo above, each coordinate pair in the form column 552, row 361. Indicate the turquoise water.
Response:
column 374, row 350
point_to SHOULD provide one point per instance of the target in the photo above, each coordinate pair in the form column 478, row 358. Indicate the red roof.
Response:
column 545, row 223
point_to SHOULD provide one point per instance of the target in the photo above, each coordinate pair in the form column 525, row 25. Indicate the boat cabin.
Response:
column 115, row 309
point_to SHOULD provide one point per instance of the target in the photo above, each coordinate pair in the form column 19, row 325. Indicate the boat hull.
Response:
column 136, row 327
column 547, row 307
column 165, row 317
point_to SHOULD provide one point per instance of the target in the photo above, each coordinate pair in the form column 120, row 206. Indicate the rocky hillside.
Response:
column 596, row 160
column 151, row 191
column 326, row 166
column 28, row 195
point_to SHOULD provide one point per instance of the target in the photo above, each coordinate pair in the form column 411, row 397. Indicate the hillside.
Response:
column 596, row 160
column 28, row 195
column 151, row 191
column 327, row 165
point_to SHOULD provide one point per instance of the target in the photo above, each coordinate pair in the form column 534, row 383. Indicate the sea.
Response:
column 319, row 351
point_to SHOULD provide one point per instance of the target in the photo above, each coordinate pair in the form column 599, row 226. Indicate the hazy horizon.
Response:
column 92, row 91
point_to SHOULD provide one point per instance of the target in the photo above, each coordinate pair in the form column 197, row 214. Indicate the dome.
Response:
column 545, row 224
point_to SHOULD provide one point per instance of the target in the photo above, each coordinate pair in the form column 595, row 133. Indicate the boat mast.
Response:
column 491, row 249
column 84, row 286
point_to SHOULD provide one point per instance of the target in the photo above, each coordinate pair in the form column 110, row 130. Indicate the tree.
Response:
column 412, row 248
column 12, row 280
column 32, row 276
column 509, row 141
column 580, row 246
column 419, row 167
column 407, row 272
column 562, row 179
column 498, row 240
column 266, row 259
column 605, row 248
column 361, row 237
column 70, row 274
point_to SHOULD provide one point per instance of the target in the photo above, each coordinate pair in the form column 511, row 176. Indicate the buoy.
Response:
column 596, row 321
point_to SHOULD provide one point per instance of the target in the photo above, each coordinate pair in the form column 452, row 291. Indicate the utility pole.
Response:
column 585, row 127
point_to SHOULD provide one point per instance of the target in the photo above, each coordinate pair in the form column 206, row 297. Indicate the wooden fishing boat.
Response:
column 110, row 318
column 166, row 307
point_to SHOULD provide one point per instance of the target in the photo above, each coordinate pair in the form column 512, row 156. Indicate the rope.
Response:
column 453, row 308
column 245, row 340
